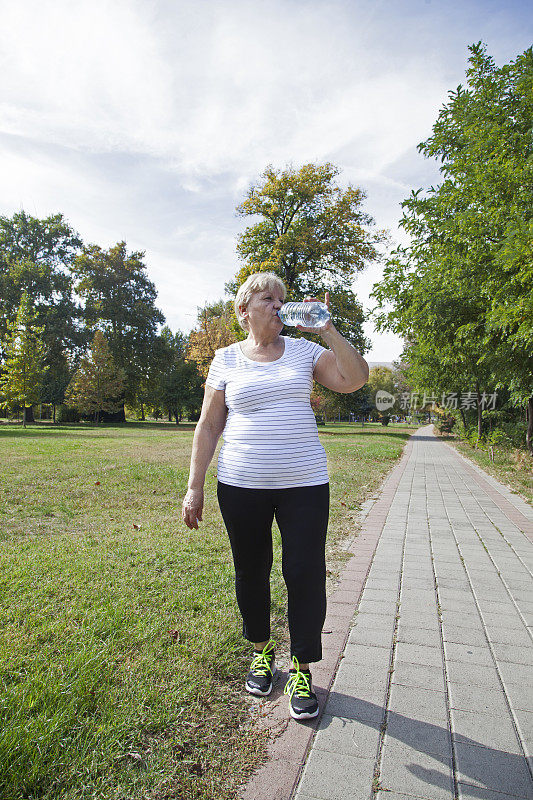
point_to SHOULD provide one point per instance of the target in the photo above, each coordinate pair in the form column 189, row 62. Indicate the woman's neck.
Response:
column 266, row 341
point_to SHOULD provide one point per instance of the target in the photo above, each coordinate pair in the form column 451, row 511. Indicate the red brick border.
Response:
column 287, row 751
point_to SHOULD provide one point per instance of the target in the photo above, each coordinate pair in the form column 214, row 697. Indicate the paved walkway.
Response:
column 433, row 695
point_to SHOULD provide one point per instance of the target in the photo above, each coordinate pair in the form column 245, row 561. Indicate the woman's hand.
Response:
column 191, row 510
column 329, row 324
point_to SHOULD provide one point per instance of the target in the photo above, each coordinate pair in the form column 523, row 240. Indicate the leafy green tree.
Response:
column 98, row 383
column 313, row 234
column 183, row 390
column 120, row 300
column 23, row 368
column 169, row 348
column 36, row 256
column 462, row 288
column 331, row 404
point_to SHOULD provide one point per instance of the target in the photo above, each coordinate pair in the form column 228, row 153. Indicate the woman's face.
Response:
column 263, row 309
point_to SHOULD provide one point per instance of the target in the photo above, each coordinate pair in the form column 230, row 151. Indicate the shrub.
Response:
column 446, row 423
column 67, row 414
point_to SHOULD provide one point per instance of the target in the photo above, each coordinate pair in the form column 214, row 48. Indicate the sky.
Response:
column 147, row 120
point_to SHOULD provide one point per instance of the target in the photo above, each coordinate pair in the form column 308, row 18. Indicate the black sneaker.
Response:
column 262, row 671
column 303, row 703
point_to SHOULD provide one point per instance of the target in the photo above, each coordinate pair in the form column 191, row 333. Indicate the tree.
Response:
column 462, row 288
column 36, row 257
column 313, row 234
column 217, row 327
column 98, row 384
column 119, row 300
column 23, row 369
column 183, row 390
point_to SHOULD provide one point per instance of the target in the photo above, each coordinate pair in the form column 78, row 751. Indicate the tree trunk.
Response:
column 29, row 414
column 23, row 416
column 142, row 412
column 169, row 415
column 461, row 409
column 529, row 434
column 54, row 412
column 479, row 412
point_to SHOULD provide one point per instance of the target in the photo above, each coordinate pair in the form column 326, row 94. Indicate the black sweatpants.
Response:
column 302, row 516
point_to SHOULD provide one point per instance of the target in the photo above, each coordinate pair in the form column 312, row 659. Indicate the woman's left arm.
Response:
column 341, row 368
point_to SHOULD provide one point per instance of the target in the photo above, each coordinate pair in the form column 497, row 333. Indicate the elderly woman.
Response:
column 272, row 465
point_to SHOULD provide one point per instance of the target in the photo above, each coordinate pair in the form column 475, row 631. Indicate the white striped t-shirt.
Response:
column 270, row 438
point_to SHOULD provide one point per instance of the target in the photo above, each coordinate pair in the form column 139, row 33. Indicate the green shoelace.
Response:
column 298, row 682
column 260, row 664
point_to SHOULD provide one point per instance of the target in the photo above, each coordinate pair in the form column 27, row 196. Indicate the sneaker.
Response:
column 303, row 703
column 262, row 671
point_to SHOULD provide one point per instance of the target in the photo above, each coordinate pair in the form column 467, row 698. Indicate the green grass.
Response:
column 121, row 655
column 511, row 466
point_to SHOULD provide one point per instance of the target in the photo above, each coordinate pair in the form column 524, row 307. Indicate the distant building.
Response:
column 387, row 364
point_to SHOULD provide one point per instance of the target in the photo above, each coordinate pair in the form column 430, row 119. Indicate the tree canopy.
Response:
column 23, row 368
column 314, row 234
column 120, row 300
column 462, row 289
column 98, row 383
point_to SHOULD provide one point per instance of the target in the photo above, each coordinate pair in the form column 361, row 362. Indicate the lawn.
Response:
column 121, row 655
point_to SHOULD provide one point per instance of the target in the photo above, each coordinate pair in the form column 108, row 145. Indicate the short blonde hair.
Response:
column 257, row 282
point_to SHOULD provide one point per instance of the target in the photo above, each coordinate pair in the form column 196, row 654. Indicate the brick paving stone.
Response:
column 467, row 605
column 336, row 776
column 419, row 654
column 382, row 621
column 353, row 678
column 509, row 620
column 472, row 674
column 384, row 594
column 468, row 654
column 370, row 636
column 361, row 654
column 493, row 769
column 424, row 736
column 424, row 705
column 524, row 721
column 482, row 730
column 512, row 636
column 478, row 699
column 379, row 606
column 350, row 737
column 408, row 769
column 367, row 705
column 423, row 675
column 519, row 674
column 520, row 696
column 470, row 636
column 513, row 654
column 429, row 636
column 469, row 792
column 398, row 796
column 458, row 619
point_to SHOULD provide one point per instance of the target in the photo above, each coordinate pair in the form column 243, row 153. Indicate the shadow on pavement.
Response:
column 496, row 770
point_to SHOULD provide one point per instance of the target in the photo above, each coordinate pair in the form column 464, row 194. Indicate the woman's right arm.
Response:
column 210, row 426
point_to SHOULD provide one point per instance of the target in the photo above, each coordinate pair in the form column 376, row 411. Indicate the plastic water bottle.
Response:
column 309, row 315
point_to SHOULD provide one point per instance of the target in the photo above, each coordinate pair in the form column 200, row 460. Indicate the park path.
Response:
column 434, row 695
column 427, row 692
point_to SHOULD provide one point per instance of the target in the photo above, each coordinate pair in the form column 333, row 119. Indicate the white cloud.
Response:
column 216, row 90
column 146, row 120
